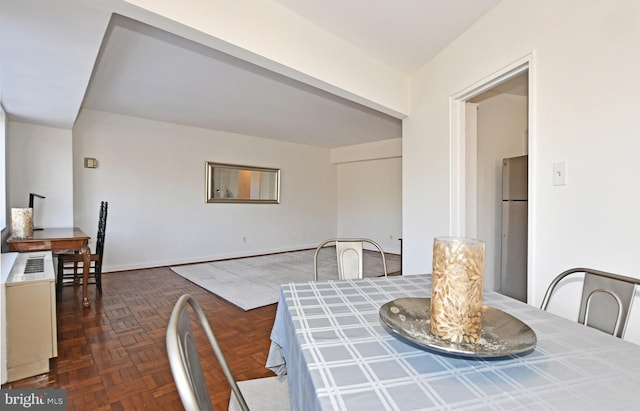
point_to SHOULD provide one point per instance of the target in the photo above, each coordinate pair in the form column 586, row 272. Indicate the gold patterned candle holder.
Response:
column 456, row 293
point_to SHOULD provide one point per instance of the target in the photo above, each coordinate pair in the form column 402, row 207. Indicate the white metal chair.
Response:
column 349, row 256
column 271, row 393
column 606, row 299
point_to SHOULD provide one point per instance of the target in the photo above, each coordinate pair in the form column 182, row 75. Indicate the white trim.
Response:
column 457, row 136
column 457, row 166
column 471, row 167
column 532, row 205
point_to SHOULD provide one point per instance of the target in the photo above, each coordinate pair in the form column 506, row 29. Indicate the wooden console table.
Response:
column 58, row 239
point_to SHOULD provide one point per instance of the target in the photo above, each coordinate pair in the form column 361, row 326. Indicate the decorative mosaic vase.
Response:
column 456, row 294
column 22, row 222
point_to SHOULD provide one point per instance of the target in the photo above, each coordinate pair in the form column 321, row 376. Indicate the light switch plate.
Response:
column 560, row 173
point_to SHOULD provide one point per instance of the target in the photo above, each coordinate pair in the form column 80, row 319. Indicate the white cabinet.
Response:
column 30, row 306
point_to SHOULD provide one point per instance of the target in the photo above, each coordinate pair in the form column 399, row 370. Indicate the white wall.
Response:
column 370, row 192
column 501, row 127
column 153, row 175
column 39, row 161
column 370, row 201
column 3, row 170
column 584, row 111
column 6, row 267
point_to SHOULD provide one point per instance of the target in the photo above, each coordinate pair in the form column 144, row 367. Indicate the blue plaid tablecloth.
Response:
column 328, row 338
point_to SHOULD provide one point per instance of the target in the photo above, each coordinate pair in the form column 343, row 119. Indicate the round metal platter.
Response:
column 502, row 334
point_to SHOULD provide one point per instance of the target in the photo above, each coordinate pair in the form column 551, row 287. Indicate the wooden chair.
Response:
column 349, row 254
column 69, row 269
column 271, row 393
column 606, row 299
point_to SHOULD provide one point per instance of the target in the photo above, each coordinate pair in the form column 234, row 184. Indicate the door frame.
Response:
column 458, row 148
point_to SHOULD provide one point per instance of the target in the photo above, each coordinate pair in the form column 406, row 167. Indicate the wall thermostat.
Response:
column 90, row 162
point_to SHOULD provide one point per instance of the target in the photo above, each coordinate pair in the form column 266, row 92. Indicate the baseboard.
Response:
column 165, row 264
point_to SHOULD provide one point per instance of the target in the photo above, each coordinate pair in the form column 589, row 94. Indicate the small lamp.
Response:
column 31, row 196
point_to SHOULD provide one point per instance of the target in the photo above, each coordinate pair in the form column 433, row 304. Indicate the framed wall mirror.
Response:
column 230, row 183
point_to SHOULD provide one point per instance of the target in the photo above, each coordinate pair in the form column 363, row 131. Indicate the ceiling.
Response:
column 168, row 78
column 55, row 59
column 402, row 34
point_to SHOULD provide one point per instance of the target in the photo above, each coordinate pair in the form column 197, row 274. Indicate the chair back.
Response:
column 349, row 259
column 349, row 255
column 185, row 361
column 102, row 229
column 606, row 299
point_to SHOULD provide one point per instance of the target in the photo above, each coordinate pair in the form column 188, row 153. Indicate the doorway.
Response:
column 490, row 122
column 501, row 133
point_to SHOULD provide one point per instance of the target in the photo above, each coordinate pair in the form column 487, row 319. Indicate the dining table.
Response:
column 329, row 339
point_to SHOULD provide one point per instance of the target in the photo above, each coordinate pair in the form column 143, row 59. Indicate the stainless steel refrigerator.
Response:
column 513, row 267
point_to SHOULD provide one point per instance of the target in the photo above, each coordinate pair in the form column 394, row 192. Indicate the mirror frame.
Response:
column 211, row 168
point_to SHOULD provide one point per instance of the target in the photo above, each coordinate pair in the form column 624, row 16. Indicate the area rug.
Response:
column 254, row 282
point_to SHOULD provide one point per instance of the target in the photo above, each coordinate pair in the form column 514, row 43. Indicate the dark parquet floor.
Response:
column 113, row 356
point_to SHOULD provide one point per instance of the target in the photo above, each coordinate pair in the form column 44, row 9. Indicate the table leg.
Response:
column 86, row 262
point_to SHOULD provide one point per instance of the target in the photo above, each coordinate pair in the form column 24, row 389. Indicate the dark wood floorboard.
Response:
column 113, row 356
